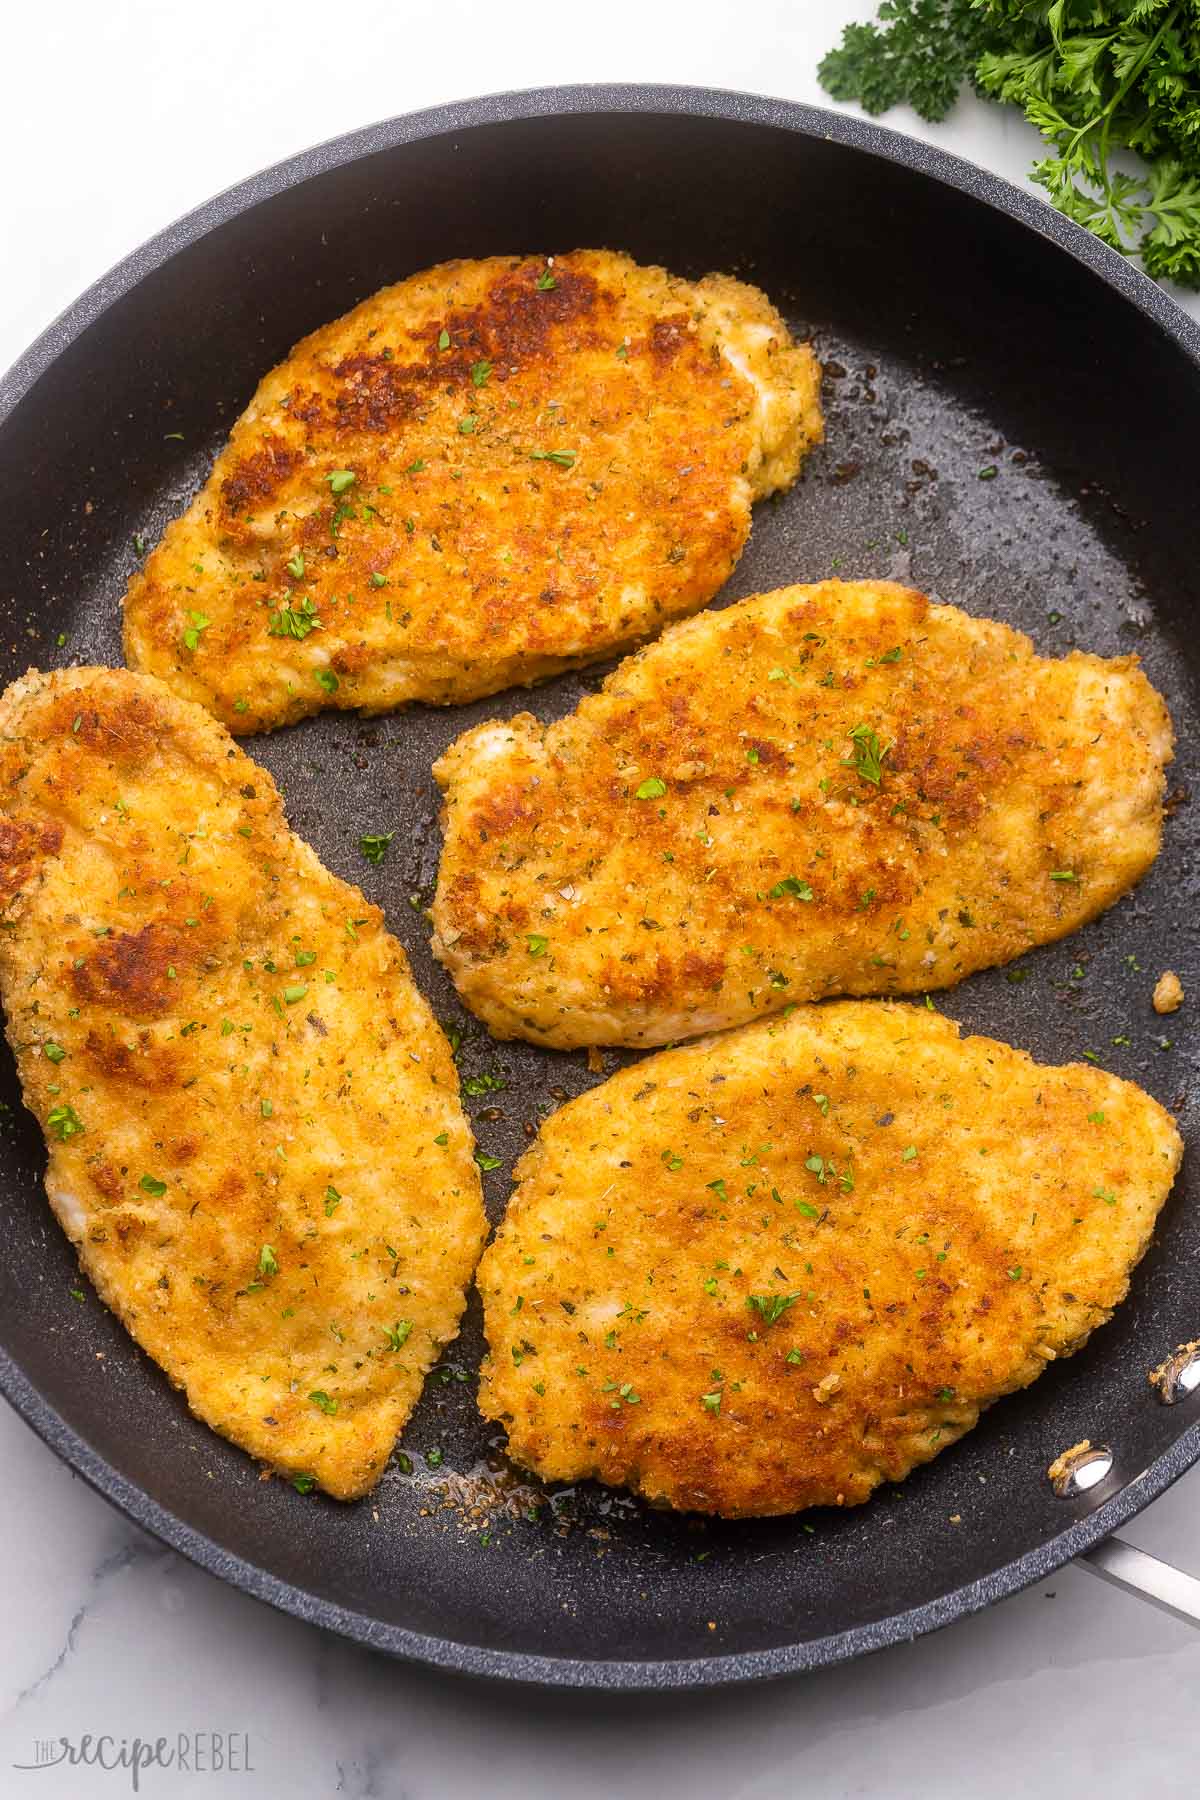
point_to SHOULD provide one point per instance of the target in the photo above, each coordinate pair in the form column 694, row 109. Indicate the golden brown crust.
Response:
column 707, row 840
column 548, row 462
column 253, row 1121
column 773, row 1269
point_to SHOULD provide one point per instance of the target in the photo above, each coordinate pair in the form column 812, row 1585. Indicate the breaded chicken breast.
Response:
column 491, row 471
column 774, row 1269
column 252, row 1117
column 839, row 789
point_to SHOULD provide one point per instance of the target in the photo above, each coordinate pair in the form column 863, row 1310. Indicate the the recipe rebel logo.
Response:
column 192, row 1752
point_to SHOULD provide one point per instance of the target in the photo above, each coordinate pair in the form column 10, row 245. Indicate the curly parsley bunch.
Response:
column 1096, row 77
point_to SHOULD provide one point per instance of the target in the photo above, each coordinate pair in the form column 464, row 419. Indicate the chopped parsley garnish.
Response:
column 1063, row 875
column 197, row 622
column 332, row 1201
column 65, row 1122
column 267, row 1263
column 320, row 1398
column 398, row 1334
column 54, row 1052
column 467, row 425
column 340, row 480
column 867, row 761
column 565, row 459
column 545, row 282
column 480, row 372
column 150, row 1184
column 487, row 1162
column 536, row 944
column 295, row 621
column 711, row 1402
column 295, row 565
column 443, row 339
column 328, row 680
column 374, row 845
column 434, row 1458
column 294, row 994
column 791, row 884
column 771, row 1307
column 653, row 788
column 304, row 1484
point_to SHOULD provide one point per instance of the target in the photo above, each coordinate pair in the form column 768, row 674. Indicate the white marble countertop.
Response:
column 116, row 119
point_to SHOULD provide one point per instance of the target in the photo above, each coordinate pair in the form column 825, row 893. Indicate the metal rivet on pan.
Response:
column 1080, row 1468
column 1179, row 1376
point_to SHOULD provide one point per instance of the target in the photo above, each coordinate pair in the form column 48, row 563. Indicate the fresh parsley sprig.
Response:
column 1098, row 79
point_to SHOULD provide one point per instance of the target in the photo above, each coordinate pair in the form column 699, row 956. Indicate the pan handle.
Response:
column 1147, row 1577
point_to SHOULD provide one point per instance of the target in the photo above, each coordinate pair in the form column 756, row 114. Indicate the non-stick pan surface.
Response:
column 1013, row 421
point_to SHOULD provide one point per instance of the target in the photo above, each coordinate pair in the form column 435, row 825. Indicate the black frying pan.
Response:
column 965, row 328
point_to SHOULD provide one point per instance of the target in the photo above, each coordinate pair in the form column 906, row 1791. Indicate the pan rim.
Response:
column 733, row 108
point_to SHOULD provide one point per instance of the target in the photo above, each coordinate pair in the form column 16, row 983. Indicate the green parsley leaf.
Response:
column 294, row 994
column 320, row 1398
column 53, row 1052
column 65, row 1122
column 791, row 884
column 398, row 1334
column 332, row 1201
column 295, row 565
column 150, row 1184
column 295, row 621
column 565, row 459
column 267, row 1264
column 771, row 1307
column 867, row 761
column 653, row 788
column 374, row 845
column 340, row 480
column 304, row 1484
column 487, row 1162
column 536, row 944
column 923, row 57
column 480, row 372
column 443, row 339
column 545, row 282
column 328, row 680
column 198, row 622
